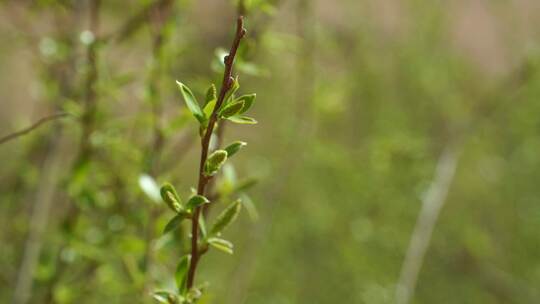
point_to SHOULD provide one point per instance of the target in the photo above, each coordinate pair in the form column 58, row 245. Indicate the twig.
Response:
column 136, row 21
column 205, row 141
column 32, row 127
column 159, row 16
column 39, row 218
column 220, row 133
column 432, row 203
column 87, row 122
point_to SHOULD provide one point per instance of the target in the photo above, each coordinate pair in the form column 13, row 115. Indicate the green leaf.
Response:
column 214, row 162
column 234, row 87
column 175, row 222
column 209, row 108
column 242, row 120
column 149, row 187
column 234, row 147
column 193, row 295
column 226, row 217
column 165, row 297
column 181, row 273
column 221, row 244
column 245, row 184
column 196, row 201
column 250, row 207
column 211, row 94
column 202, row 226
column 169, row 196
column 191, row 102
column 248, row 102
column 231, row 109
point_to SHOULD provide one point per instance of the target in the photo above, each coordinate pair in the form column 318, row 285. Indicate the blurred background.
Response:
column 397, row 154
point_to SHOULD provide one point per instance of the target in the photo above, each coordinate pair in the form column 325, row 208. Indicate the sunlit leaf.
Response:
column 231, row 109
column 191, row 102
column 226, row 217
column 169, row 196
column 149, row 187
column 248, row 102
column 175, row 222
column 214, row 162
column 234, row 87
column 221, row 244
column 234, row 147
column 165, row 297
column 196, row 201
column 242, row 120
column 211, row 94
column 209, row 108
column 181, row 273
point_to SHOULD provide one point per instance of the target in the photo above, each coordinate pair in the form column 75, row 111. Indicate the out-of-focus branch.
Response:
column 88, row 123
column 32, row 127
column 133, row 24
column 432, row 204
column 436, row 196
column 38, row 223
column 159, row 17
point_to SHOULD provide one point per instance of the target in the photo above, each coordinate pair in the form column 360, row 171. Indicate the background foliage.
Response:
column 356, row 102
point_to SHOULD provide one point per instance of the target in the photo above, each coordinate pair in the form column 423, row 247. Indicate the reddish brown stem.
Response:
column 205, row 142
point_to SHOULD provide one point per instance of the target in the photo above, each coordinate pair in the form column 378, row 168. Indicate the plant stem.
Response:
column 205, row 142
column 159, row 16
column 432, row 204
column 88, row 121
column 32, row 127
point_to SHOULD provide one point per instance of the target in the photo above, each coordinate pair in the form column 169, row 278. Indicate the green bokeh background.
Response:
column 356, row 102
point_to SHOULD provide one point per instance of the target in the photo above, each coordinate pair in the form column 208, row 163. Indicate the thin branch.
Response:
column 432, row 204
column 32, row 127
column 241, row 11
column 88, row 122
column 134, row 23
column 205, row 142
column 160, row 16
column 41, row 209
column 436, row 196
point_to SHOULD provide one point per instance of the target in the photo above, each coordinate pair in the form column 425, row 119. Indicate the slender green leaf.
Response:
column 196, row 201
column 226, row 217
column 248, row 102
column 209, row 108
column 202, row 226
column 234, row 87
column 175, row 222
column 231, row 109
column 214, row 162
column 210, row 94
column 169, row 196
column 245, row 184
column 181, row 273
column 191, row 102
column 165, row 297
column 221, row 244
column 242, row 120
column 251, row 209
column 234, row 147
